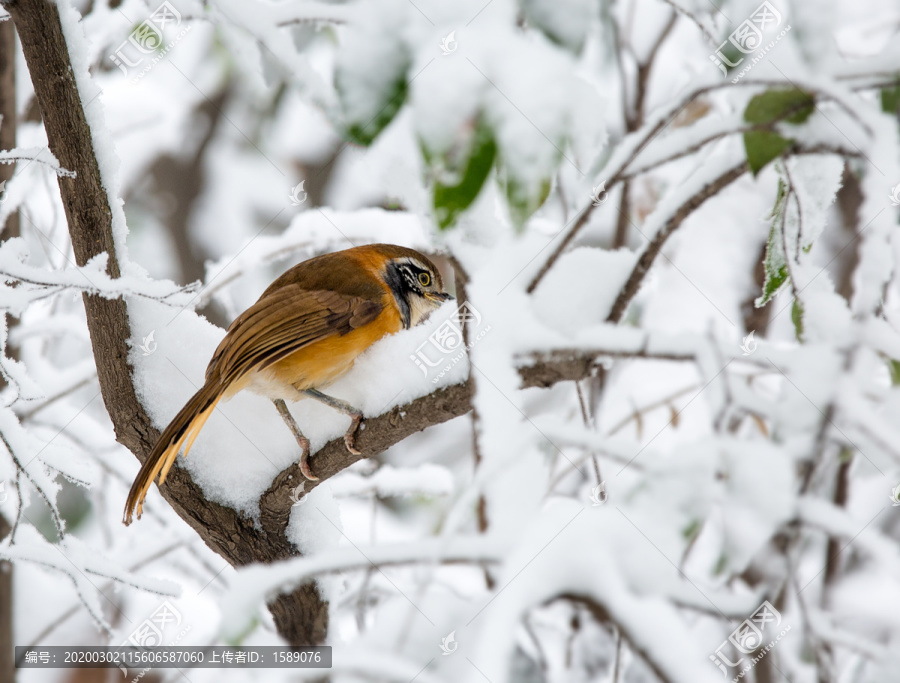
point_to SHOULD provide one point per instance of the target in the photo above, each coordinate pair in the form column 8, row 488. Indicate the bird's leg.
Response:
column 344, row 407
column 302, row 441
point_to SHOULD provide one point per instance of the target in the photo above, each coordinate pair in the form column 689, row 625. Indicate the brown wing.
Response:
column 283, row 321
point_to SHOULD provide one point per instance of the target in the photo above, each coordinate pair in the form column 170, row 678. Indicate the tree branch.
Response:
column 648, row 256
column 379, row 434
column 302, row 616
column 600, row 613
column 643, row 137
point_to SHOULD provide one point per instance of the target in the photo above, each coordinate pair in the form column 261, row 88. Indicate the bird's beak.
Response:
column 439, row 297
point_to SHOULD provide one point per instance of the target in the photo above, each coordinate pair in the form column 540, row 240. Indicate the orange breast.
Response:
column 322, row 362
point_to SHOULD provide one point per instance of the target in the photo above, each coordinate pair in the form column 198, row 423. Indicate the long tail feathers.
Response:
column 185, row 427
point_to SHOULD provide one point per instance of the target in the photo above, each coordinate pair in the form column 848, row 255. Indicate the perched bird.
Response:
column 304, row 332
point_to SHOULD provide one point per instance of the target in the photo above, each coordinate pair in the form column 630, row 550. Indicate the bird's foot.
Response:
column 304, row 459
column 355, row 414
column 350, row 436
column 302, row 441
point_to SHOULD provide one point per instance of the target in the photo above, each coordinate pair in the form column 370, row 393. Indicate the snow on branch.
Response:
column 427, row 479
column 40, row 154
column 636, row 146
column 253, row 586
column 78, row 562
column 32, row 283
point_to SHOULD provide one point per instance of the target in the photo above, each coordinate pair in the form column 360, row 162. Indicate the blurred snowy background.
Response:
column 715, row 188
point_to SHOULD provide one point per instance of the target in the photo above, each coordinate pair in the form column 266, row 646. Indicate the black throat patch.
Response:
column 400, row 289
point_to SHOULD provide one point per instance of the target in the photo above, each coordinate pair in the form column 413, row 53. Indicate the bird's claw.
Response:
column 304, row 461
column 350, row 436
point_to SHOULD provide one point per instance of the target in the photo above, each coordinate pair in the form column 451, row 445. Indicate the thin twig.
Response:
column 693, row 19
column 652, row 250
column 25, row 414
column 650, row 407
column 621, row 172
column 54, row 513
column 589, row 423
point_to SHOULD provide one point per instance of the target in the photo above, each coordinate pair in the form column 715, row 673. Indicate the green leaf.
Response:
column 370, row 98
column 776, row 270
column 564, row 22
column 894, row 369
column 797, row 319
column 791, row 105
column 777, row 211
column 762, row 146
column 775, row 280
column 691, row 530
column 890, row 100
column 522, row 202
column 364, row 133
column 461, row 182
column 732, row 56
column 721, row 564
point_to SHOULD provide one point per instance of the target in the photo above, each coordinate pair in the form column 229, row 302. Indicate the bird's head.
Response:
column 416, row 285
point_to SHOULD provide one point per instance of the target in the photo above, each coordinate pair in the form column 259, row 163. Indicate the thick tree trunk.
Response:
column 8, row 112
column 302, row 616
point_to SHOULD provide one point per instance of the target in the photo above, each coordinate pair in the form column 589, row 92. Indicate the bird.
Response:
column 303, row 333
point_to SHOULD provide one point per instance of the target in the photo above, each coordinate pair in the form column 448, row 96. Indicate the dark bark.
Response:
column 8, row 112
column 648, row 256
column 301, row 616
column 835, row 544
column 623, row 220
column 379, row 434
column 849, row 200
column 600, row 613
column 756, row 319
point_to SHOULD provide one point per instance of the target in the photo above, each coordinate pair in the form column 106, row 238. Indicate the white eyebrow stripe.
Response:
column 410, row 261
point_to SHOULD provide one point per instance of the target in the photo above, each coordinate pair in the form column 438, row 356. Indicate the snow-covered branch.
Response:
column 41, row 155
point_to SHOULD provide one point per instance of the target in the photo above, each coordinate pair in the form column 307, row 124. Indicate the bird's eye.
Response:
column 424, row 279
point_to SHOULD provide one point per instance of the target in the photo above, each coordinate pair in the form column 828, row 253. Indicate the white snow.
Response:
column 701, row 427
